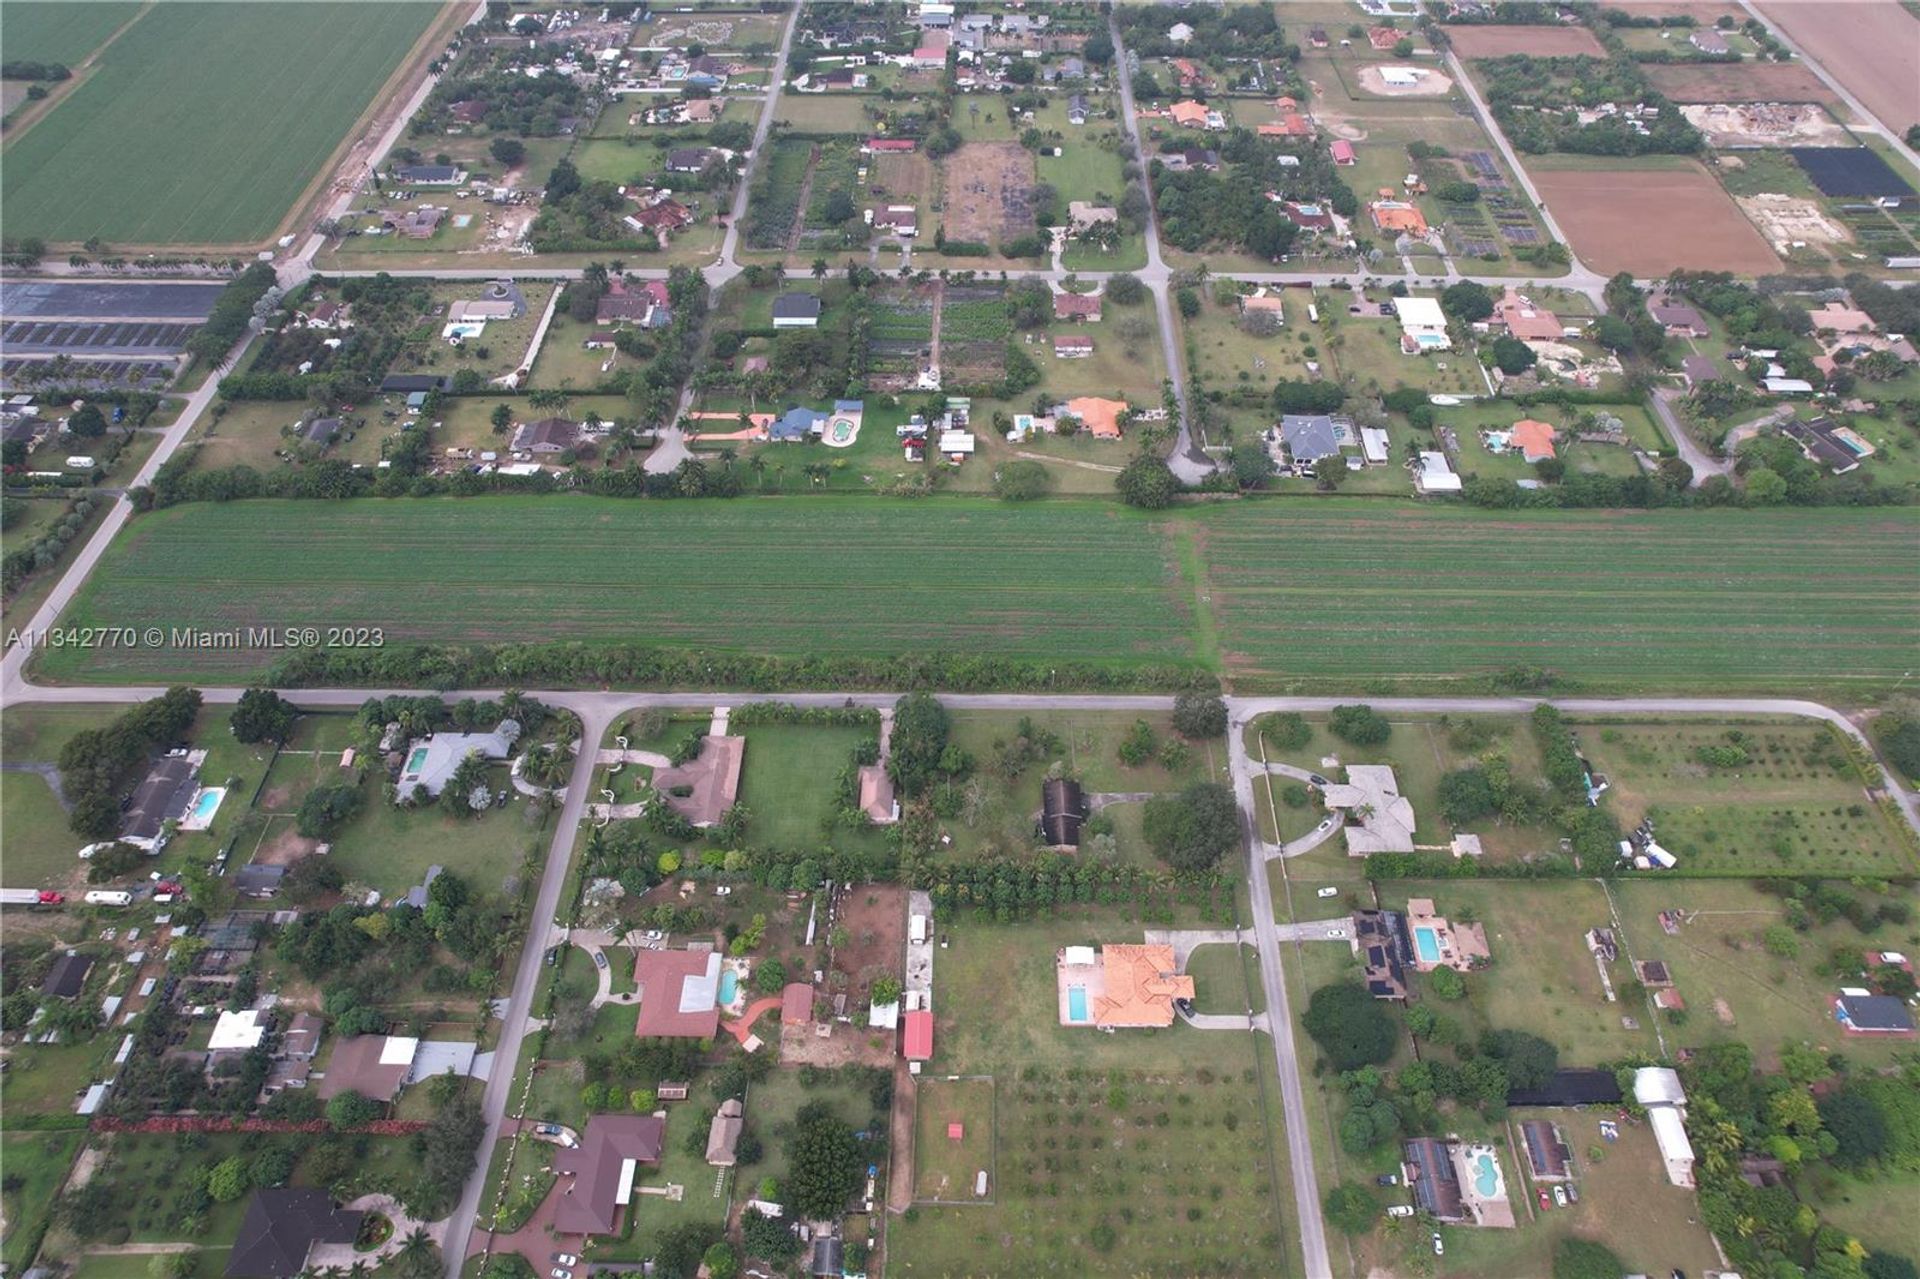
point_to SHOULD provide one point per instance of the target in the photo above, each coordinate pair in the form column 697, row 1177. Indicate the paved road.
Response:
column 726, row 268
column 1702, row 462
column 513, row 1026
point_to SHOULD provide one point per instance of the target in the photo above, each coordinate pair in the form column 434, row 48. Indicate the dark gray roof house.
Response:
column 321, row 430
column 1063, row 807
column 430, row 174
column 1428, row 1166
column 1309, row 437
column 1699, row 369
column 1874, row 1015
column 67, row 976
column 688, row 159
column 791, row 309
column 258, row 881
column 281, row 1226
column 1571, row 1086
column 548, row 435
column 163, row 797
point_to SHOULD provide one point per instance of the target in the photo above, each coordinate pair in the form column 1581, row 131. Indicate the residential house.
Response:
column 281, row 1226
column 1342, row 152
column 415, row 224
column 1180, row 33
column 796, row 311
column 1698, row 370
column 689, row 159
column 1100, row 418
column 320, row 431
column 547, row 436
column 916, row 1040
column 1384, row 38
column 1386, row 951
column 1125, row 987
column 161, row 800
column 375, row 1066
column 599, row 340
column 501, row 300
column 890, row 146
column 1427, row 1166
column 644, row 303
column 679, row 993
column 1866, row 1014
column 1398, row 217
column 1308, row 437
column 1534, row 440
column 1267, row 303
column 257, row 880
column 1308, row 215
column 1082, row 216
column 600, row 1172
column 1076, row 306
column 1708, row 41
column 1525, row 321
column 1838, row 448
column 1423, row 325
column 704, row 788
column 1292, row 125
column 328, row 315
column 1379, row 818
column 1077, row 109
column 1063, row 809
column 471, row 111
column 1677, row 318
column 432, row 761
column 657, row 213
column 723, row 1134
column 1072, row 348
column 797, row 424
column 1435, row 475
column 1317, row 37
column 1189, row 114
column 67, row 976
column 902, row 220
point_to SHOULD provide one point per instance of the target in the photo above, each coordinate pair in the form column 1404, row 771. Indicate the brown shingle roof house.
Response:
column 548, row 435
column 602, row 1168
column 374, row 1066
column 723, row 1134
column 1076, row 306
column 679, row 993
column 710, row 782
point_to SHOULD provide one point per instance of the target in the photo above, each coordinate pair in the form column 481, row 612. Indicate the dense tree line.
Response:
column 227, row 323
column 97, row 764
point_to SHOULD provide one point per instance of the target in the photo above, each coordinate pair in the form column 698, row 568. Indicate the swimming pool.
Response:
column 205, row 804
column 1486, row 1175
column 729, row 986
column 417, row 760
column 1077, row 1004
column 1427, row 942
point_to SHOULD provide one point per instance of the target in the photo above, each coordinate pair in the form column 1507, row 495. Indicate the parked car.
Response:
column 1545, row 1202
column 725, row 890
column 1328, row 891
column 1573, row 1194
column 599, row 959
column 1387, row 1179
column 1439, row 1245
column 1317, row 780
column 1400, row 1210
column 553, row 1130
column 560, row 1273
column 566, row 1258
column 1559, row 1197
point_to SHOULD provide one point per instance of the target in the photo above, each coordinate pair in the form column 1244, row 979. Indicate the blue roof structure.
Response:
column 796, row 424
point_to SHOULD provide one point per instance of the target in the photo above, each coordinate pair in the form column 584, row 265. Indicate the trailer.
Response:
column 30, row 897
column 109, row 897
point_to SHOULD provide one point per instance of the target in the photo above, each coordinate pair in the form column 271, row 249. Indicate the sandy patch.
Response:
column 1652, row 221
column 1766, row 124
column 989, row 192
column 1428, row 83
column 1785, row 219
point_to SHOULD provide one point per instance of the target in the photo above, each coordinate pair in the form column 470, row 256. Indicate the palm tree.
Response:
column 816, row 471
column 819, row 268
column 415, row 1256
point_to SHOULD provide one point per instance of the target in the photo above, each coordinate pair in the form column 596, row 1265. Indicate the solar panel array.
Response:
column 55, row 337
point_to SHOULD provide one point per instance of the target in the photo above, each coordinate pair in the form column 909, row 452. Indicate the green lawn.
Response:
column 789, row 778
column 945, row 1167
column 1221, row 977
column 39, row 31
column 389, row 847
column 40, row 848
column 39, row 1160
column 193, row 130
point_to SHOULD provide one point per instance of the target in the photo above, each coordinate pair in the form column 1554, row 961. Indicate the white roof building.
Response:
column 1376, row 445
column 236, row 1032
column 1434, row 475
column 1658, row 1086
column 1371, row 796
column 1658, row 1089
column 1420, row 315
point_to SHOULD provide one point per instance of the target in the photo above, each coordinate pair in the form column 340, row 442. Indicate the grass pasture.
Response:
column 36, row 1164
column 787, row 781
column 193, row 129
column 945, row 1168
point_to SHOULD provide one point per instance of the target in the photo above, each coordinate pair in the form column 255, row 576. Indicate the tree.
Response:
column 508, row 151
column 1360, row 725
column 1467, row 301
column 1197, row 716
column 768, row 1238
column 1250, row 462
column 838, row 206
column 228, row 1180
column 563, row 181
column 1288, row 731
column 1352, row 1209
column 1512, row 356
column 1126, row 290
column 1021, row 481
column 770, row 977
column 87, row 422
column 1330, row 472
column 1350, row 1026
column 262, row 715
column 886, row 989
column 1529, row 1060
column 1613, row 333
column 1099, row 51
column 1194, row 829
column 1146, row 483
column 1188, row 300
column 351, row 1110
column 721, row 1261
column 823, row 1161
column 920, row 728
column 416, row 1255
column 1465, row 795
column 326, row 809
column 1577, row 1258
column 1765, row 487
column 1858, row 1127
column 1447, row 984
column 1891, row 1265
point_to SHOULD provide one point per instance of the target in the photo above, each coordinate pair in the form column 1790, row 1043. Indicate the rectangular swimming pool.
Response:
column 1077, row 1004
column 1427, row 942
column 417, row 760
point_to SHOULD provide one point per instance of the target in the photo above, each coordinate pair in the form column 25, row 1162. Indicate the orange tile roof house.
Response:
column 1533, row 439
column 1292, row 125
column 1100, row 417
column 1076, row 306
column 1130, row 986
column 1526, row 321
column 1192, row 115
column 679, row 993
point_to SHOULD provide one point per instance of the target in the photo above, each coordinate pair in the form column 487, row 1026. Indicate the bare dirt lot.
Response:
column 1783, row 220
column 1740, row 82
column 875, row 919
column 1607, row 214
column 902, row 179
column 1766, row 124
column 989, row 192
column 1867, row 47
column 1541, row 42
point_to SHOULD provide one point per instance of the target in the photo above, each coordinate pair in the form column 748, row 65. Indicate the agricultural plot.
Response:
column 1740, row 82
column 774, row 206
column 1491, row 41
column 1701, row 228
column 1868, row 48
column 184, row 133
column 1749, row 799
column 1624, row 599
column 899, row 335
column 953, row 1141
column 824, row 112
column 45, row 31
column 812, row 577
column 974, row 327
column 1145, row 1152
column 989, row 192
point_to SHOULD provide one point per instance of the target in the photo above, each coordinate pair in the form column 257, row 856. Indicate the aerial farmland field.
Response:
column 1295, row 593
column 1702, row 599
column 200, row 125
column 64, row 33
